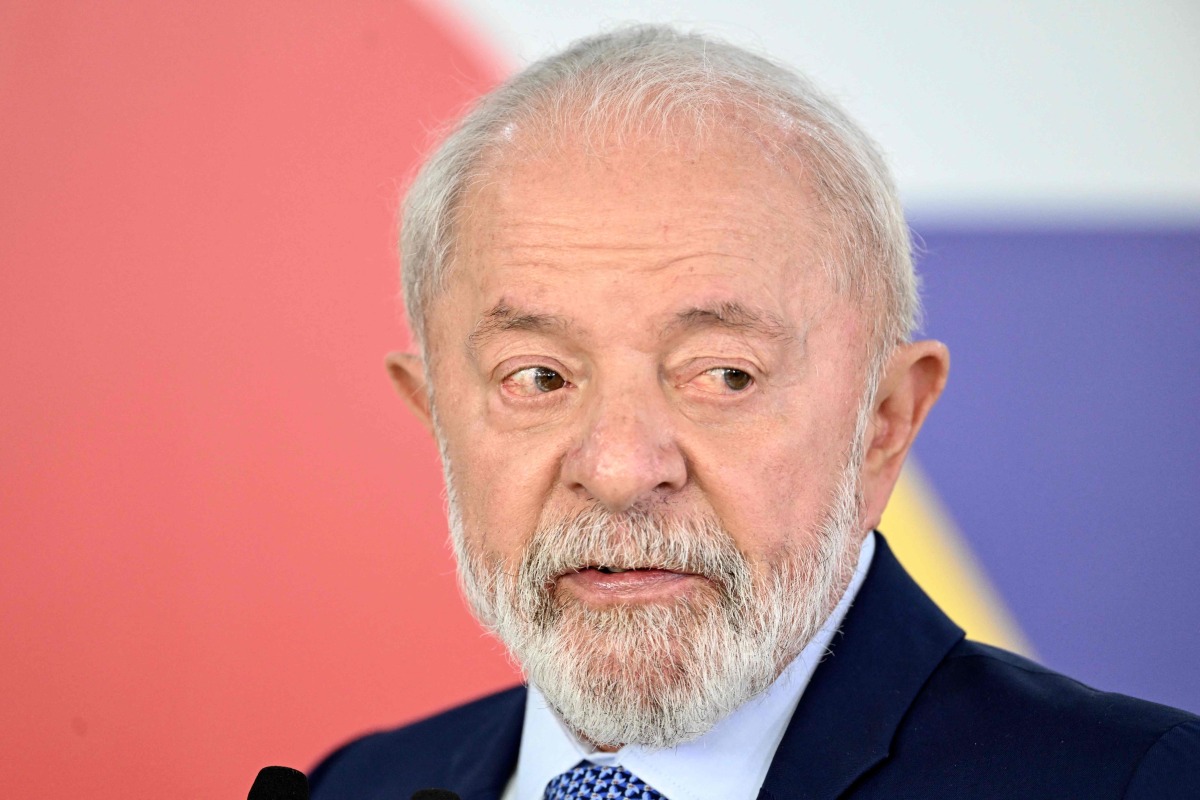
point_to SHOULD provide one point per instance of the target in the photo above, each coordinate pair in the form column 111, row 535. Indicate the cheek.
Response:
column 501, row 483
column 774, row 495
column 501, row 480
column 780, row 501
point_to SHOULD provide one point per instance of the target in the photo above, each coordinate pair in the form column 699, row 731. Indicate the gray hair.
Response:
column 637, row 79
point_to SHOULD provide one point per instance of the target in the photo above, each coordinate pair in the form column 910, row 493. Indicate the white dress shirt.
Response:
column 729, row 762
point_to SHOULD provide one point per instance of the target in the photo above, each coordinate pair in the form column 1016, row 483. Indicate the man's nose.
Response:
column 628, row 453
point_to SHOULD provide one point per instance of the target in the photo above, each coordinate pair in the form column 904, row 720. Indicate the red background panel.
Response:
column 222, row 536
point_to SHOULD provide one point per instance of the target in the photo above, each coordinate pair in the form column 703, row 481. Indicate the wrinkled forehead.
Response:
column 612, row 216
column 645, row 190
column 683, row 132
column 636, row 181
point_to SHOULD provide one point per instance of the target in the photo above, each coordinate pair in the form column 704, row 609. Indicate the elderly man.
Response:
column 663, row 297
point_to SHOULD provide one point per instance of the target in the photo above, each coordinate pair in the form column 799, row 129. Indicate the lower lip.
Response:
column 639, row 585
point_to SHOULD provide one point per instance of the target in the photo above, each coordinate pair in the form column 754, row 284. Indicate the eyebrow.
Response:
column 732, row 316
column 502, row 318
column 728, row 315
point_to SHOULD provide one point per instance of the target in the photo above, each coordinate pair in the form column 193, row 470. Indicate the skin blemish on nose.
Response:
column 625, row 460
column 616, row 459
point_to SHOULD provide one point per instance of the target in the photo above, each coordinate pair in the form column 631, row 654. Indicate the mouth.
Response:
column 620, row 570
column 604, row 584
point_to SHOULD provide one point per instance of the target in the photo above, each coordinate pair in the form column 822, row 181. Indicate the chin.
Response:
column 654, row 674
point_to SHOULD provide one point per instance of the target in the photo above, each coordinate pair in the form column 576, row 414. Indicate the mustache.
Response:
column 693, row 542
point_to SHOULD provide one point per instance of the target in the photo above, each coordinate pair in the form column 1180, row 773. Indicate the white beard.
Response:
column 663, row 673
column 659, row 674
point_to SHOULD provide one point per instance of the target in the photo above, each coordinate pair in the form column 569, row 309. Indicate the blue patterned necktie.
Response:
column 590, row 782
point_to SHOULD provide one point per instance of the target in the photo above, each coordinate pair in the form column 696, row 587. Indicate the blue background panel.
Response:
column 1066, row 446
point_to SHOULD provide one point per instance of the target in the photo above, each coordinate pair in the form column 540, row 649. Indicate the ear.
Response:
column 912, row 381
column 408, row 375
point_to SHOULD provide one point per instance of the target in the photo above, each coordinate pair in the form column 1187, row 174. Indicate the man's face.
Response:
column 639, row 346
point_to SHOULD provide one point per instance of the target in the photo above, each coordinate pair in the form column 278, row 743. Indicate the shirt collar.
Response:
column 727, row 763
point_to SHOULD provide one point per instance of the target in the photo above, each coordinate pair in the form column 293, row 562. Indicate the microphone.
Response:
column 285, row 783
column 279, row 783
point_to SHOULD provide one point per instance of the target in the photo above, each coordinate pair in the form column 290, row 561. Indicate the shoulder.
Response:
column 1015, row 688
column 1004, row 714
column 476, row 740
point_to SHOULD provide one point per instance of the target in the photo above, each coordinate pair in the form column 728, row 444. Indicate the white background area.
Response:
column 989, row 111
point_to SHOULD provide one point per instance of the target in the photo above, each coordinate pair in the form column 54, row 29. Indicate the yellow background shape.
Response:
column 926, row 541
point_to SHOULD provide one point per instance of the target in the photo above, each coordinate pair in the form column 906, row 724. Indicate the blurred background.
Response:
column 221, row 536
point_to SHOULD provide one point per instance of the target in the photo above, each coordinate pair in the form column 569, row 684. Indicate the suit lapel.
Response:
column 486, row 757
column 892, row 639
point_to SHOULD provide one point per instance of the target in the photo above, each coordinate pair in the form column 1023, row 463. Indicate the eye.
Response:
column 533, row 381
column 725, row 380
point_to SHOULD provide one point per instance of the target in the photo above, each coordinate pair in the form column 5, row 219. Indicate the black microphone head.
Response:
column 435, row 794
column 279, row 783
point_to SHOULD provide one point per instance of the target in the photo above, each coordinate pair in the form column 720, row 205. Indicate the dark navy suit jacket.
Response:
column 904, row 707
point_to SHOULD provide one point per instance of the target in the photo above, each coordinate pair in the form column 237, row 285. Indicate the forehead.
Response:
column 714, row 219
column 643, row 181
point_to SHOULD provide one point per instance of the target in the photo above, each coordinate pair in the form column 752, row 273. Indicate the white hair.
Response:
column 641, row 80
